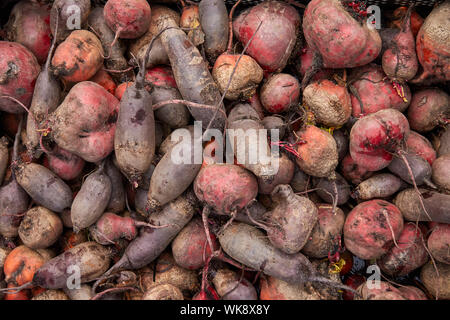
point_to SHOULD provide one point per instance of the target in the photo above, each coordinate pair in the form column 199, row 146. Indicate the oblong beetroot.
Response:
column 13, row 202
column 378, row 186
column 341, row 41
column 374, row 138
column 366, row 230
column 408, row 256
column 19, row 70
column 44, row 186
column 275, row 40
column 225, row 187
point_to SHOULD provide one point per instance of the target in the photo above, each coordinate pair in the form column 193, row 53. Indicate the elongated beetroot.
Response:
column 400, row 60
column 374, row 138
column 275, row 40
column 339, row 39
column 18, row 72
column 433, row 45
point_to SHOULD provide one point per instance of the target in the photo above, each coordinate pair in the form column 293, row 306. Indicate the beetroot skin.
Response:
column 340, row 40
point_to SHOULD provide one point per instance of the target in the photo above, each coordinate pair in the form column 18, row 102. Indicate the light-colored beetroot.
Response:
column 439, row 242
column 225, row 187
column 79, row 57
column 366, row 230
column 29, row 24
column 329, row 102
column 318, row 155
column 429, row 108
column 441, row 174
column 385, row 291
column 408, row 256
column 129, row 19
column 399, row 59
column 18, row 72
column 372, row 91
column 291, row 221
column 374, row 138
column 412, row 293
column 280, row 92
column 437, row 284
column 275, row 39
column 433, row 44
column 340, row 40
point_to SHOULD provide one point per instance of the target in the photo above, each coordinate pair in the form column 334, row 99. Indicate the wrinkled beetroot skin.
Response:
column 160, row 76
column 18, row 72
column 29, row 24
column 275, row 40
column 376, row 92
column 130, row 17
column 337, row 37
column 374, row 138
column 433, row 45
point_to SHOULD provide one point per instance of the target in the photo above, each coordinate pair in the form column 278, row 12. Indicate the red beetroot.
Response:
column 352, row 171
column 366, row 230
column 66, row 165
column 419, row 145
column 225, row 187
column 400, row 60
column 416, row 19
column 275, row 40
column 129, row 19
column 372, row 91
column 280, row 92
column 353, row 281
column 433, row 45
column 429, row 108
column 374, row 138
column 409, row 255
column 105, row 80
column 120, row 89
column 340, row 40
column 18, row 72
column 29, row 24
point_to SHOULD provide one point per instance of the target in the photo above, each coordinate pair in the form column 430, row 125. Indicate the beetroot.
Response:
column 372, row 91
column 275, row 40
column 375, row 137
column 66, row 165
column 400, row 60
column 129, row 19
column 429, row 108
column 366, row 230
column 419, row 145
column 280, row 92
column 29, row 24
column 337, row 38
column 433, row 45
column 18, row 72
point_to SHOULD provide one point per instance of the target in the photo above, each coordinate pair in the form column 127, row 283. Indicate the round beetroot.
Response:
column 130, row 19
column 280, row 92
column 18, row 72
column 366, row 230
column 225, row 187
